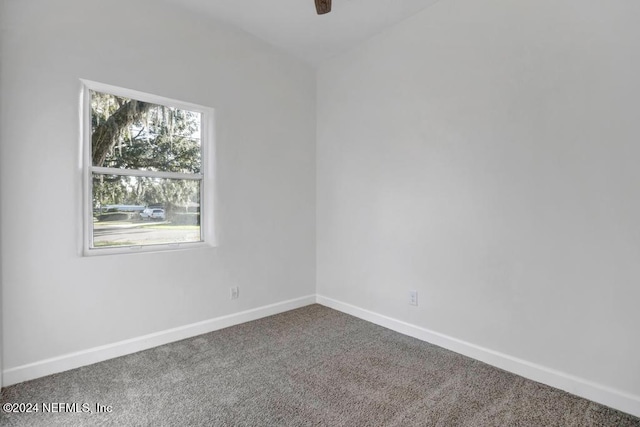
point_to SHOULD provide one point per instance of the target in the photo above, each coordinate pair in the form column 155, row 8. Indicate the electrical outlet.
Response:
column 413, row 297
column 235, row 292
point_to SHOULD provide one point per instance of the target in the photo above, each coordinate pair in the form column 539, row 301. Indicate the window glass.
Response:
column 137, row 211
column 145, row 170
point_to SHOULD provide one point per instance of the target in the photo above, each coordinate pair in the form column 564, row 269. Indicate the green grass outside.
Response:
column 151, row 225
column 170, row 227
column 109, row 243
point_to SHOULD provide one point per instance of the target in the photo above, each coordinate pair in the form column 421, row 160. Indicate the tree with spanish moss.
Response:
column 131, row 134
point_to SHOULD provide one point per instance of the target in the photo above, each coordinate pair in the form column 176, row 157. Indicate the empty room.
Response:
column 313, row 212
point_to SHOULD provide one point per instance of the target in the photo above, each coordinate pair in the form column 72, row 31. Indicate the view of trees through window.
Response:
column 146, row 172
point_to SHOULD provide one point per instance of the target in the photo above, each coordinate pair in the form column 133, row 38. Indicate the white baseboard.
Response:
column 596, row 392
column 578, row 386
column 98, row 354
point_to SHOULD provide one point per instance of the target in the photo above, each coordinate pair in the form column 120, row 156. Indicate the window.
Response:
column 148, row 171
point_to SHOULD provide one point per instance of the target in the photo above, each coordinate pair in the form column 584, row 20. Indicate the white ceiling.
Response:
column 294, row 26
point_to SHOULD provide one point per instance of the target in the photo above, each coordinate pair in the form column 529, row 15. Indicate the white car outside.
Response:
column 150, row 213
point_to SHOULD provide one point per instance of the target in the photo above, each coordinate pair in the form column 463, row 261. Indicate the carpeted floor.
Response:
column 308, row 367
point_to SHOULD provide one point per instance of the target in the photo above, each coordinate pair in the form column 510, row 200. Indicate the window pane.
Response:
column 136, row 211
column 131, row 134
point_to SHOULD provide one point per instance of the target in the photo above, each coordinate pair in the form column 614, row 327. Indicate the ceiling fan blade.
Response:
column 323, row 6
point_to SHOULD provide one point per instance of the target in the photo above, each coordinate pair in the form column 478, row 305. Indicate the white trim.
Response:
column 599, row 393
column 208, row 189
column 608, row 396
column 98, row 354
column 85, row 146
column 161, row 247
column 146, row 173
column 144, row 96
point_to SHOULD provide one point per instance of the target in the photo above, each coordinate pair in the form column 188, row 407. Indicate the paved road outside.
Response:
column 133, row 235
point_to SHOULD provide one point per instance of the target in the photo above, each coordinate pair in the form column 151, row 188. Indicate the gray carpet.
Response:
column 308, row 367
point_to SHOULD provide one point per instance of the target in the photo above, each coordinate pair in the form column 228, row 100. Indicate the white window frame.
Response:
column 206, row 176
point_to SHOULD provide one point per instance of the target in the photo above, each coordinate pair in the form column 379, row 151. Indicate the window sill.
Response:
column 127, row 250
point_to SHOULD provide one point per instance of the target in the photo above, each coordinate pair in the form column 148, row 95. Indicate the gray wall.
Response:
column 485, row 153
column 57, row 302
column 2, row 106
